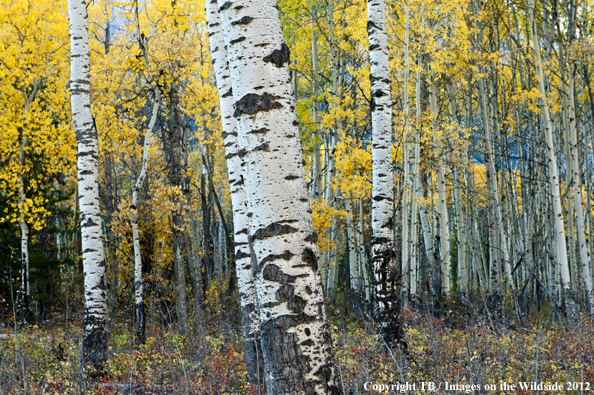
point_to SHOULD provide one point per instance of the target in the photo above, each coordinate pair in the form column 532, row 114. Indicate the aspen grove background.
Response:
column 382, row 192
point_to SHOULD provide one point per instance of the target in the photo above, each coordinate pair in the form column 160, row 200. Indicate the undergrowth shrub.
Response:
column 210, row 361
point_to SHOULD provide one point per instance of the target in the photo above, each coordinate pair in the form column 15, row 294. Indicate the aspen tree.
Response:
column 561, row 245
column 138, row 282
column 363, row 256
column 492, row 180
column 444, row 239
column 25, row 286
column 421, row 190
column 94, row 348
column 382, row 209
column 243, row 264
column 406, row 261
column 316, row 180
column 577, row 191
column 296, row 340
column 354, row 273
column 576, row 167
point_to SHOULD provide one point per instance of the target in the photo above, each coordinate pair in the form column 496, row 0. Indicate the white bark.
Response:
column 138, row 283
column 442, row 208
column 25, row 292
column 296, row 341
column 243, row 266
column 382, row 208
column 561, row 244
column 406, row 261
column 460, row 214
column 494, row 189
column 577, row 192
column 316, row 181
column 352, row 247
column 95, row 331
column 362, row 255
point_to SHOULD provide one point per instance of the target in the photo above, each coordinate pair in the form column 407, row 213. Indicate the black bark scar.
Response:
column 279, row 56
column 271, row 230
column 252, row 103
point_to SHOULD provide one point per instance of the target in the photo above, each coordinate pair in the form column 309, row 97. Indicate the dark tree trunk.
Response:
column 207, row 241
column 172, row 142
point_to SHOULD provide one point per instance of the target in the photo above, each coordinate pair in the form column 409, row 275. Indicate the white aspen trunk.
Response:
column 502, row 245
column 462, row 243
column 421, row 191
column 590, row 223
column 479, row 259
column 94, row 348
column 235, row 171
column 25, row 286
column 362, row 255
column 332, row 254
column 460, row 214
column 417, row 186
column 561, row 245
column 413, row 242
column 138, row 283
column 296, row 340
column 331, row 279
column 352, row 253
column 568, row 178
column 316, row 181
column 382, row 208
column 577, row 192
column 405, row 259
column 442, row 208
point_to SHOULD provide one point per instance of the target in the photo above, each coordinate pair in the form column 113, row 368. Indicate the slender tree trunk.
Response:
column 316, row 181
column 25, row 286
column 496, row 203
column 382, row 209
column 569, row 177
column 561, row 245
column 138, row 282
column 352, row 254
column 295, row 335
column 442, row 208
column 243, row 267
column 460, row 212
column 94, row 348
column 205, row 199
column 577, row 192
column 406, row 261
column 363, row 255
column 172, row 142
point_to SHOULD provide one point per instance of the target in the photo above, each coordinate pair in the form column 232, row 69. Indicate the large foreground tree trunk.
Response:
column 94, row 349
column 295, row 334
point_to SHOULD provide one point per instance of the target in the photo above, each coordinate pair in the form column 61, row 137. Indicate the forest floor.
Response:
column 454, row 352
